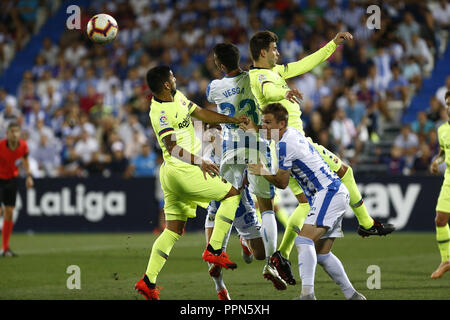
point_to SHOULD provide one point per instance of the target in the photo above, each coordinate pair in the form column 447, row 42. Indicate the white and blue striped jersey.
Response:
column 233, row 97
column 312, row 173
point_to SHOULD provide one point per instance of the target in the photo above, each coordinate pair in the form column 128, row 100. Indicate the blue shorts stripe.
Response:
column 326, row 203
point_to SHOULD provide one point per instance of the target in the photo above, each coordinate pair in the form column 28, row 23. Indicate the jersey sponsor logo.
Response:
column 185, row 123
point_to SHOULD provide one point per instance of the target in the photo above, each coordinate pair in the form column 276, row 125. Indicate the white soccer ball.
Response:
column 102, row 28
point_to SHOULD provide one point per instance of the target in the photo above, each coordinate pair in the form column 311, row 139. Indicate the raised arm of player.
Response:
column 309, row 62
column 213, row 117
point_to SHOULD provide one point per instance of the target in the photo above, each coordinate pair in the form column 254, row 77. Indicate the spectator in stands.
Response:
column 396, row 161
column 90, row 99
column 49, row 51
column 422, row 126
column 418, row 49
column 47, row 156
column 343, row 131
column 315, row 126
column 408, row 142
column 85, row 147
column 397, row 88
column 423, row 160
column 28, row 13
column 440, row 93
column 407, row 28
column 434, row 111
column 412, row 73
column 144, row 164
column 354, row 109
column 441, row 14
column 7, row 99
column 352, row 15
column 290, row 46
column 119, row 165
column 8, row 115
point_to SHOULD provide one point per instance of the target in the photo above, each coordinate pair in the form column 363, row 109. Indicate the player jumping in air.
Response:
column 443, row 203
column 11, row 149
column 327, row 196
column 233, row 97
column 183, row 176
column 268, row 83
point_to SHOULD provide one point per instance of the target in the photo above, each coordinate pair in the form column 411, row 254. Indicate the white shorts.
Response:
column 327, row 210
column 246, row 220
column 233, row 169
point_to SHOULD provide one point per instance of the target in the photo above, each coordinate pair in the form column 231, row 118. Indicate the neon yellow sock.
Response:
column 282, row 216
column 294, row 224
column 224, row 220
column 443, row 240
column 280, row 212
column 160, row 252
column 356, row 203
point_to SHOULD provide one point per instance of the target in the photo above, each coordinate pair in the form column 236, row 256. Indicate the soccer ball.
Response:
column 102, row 28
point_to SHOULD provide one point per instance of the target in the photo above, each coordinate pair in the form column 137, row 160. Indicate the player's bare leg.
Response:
column 269, row 232
column 443, row 240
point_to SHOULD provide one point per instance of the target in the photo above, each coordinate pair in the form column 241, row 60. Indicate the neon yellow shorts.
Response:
column 185, row 188
column 330, row 158
column 443, row 203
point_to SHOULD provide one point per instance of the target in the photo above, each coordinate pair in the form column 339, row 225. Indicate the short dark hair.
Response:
column 278, row 110
column 13, row 124
column 156, row 77
column 261, row 40
column 447, row 94
column 228, row 55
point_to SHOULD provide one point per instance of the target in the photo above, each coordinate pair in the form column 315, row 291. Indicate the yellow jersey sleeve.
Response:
column 307, row 63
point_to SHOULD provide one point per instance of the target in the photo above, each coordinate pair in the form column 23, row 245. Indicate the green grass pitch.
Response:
column 111, row 263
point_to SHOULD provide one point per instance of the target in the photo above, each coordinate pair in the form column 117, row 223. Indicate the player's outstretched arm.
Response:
column 310, row 62
column 170, row 142
column 280, row 180
column 209, row 116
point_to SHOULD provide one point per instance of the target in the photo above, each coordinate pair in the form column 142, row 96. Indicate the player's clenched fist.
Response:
column 341, row 37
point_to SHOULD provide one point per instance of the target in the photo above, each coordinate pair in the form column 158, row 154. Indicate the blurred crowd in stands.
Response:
column 84, row 107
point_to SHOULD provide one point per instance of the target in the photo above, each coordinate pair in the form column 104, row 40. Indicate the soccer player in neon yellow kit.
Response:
column 443, row 203
column 183, row 176
column 268, row 84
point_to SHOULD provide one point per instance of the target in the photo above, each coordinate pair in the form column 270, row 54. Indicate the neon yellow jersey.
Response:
column 175, row 118
column 269, row 85
column 444, row 142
